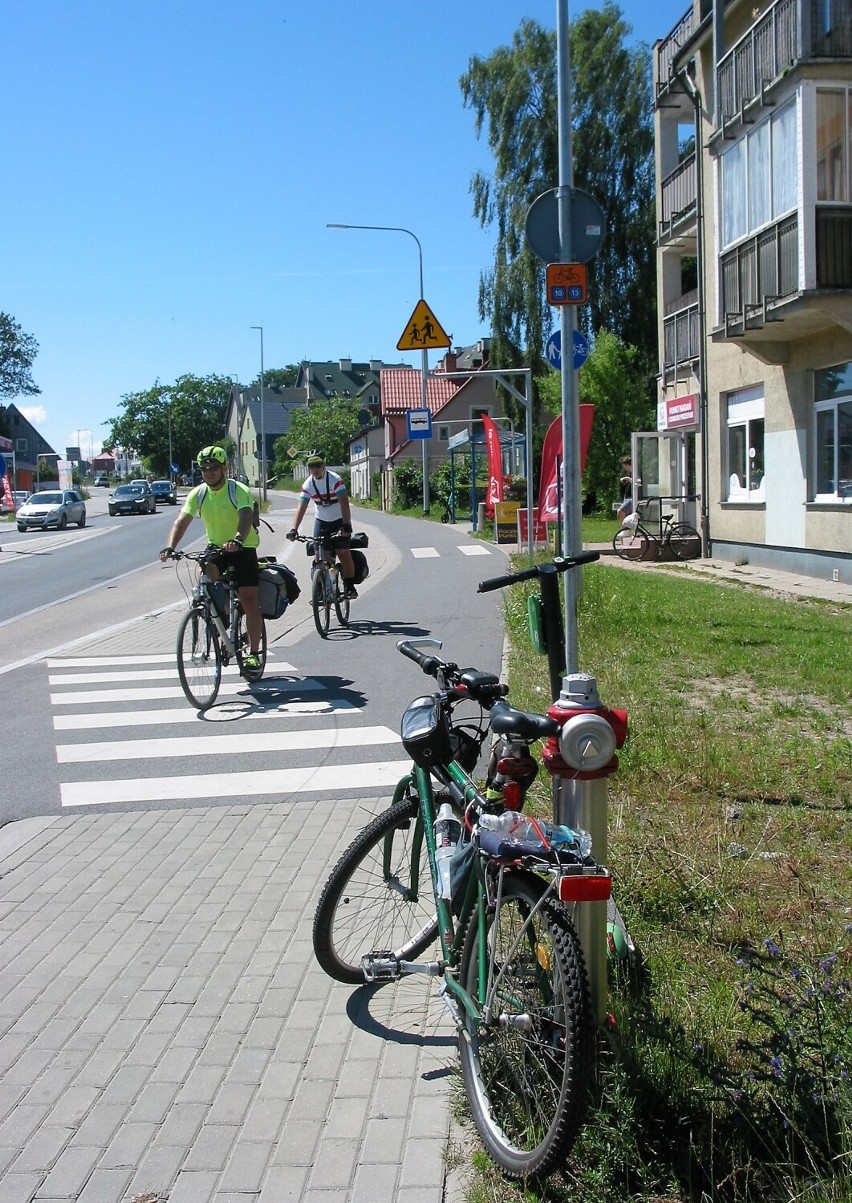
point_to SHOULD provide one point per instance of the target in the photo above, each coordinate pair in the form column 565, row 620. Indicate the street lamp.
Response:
column 424, row 369
column 262, row 420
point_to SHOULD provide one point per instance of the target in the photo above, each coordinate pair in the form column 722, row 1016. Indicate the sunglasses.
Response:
column 207, row 464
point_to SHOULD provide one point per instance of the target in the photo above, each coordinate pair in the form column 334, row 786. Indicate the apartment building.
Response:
column 753, row 134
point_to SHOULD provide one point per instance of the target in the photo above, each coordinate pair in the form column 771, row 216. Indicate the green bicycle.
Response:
column 512, row 970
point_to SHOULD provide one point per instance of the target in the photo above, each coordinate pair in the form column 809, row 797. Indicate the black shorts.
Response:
column 242, row 564
column 328, row 528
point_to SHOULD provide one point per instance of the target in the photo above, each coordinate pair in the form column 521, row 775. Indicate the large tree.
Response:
column 513, row 93
column 194, row 407
column 325, row 426
column 277, row 377
column 17, row 352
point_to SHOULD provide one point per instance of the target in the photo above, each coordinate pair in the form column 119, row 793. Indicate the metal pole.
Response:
column 424, row 363
column 263, row 472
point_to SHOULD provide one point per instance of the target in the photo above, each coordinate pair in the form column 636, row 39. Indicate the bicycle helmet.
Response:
column 315, row 458
column 208, row 454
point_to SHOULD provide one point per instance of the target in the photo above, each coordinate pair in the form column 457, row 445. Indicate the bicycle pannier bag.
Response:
column 277, row 587
column 362, row 568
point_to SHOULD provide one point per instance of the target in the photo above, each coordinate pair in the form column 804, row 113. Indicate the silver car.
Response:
column 56, row 508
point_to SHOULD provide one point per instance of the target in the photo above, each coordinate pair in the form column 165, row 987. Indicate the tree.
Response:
column 514, row 91
column 277, row 377
column 325, row 426
column 17, row 352
column 611, row 381
column 195, row 405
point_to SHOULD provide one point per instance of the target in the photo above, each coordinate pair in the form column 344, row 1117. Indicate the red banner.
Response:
column 7, row 492
column 494, row 491
column 551, row 457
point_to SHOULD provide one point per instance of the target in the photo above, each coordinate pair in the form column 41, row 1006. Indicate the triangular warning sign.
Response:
column 422, row 330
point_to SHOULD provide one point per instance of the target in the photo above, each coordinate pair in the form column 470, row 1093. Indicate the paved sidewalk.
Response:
column 165, row 1028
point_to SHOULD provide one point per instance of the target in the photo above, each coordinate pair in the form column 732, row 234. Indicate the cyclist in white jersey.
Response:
column 331, row 505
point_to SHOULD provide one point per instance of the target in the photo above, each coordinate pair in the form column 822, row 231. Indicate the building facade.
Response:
column 753, row 137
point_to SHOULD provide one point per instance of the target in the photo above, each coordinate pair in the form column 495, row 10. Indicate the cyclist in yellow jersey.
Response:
column 227, row 511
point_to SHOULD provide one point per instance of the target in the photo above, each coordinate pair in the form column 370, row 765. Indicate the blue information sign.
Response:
column 553, row 350
column 419, row 423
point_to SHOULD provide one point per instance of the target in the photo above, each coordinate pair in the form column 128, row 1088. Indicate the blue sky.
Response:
column 170, row 167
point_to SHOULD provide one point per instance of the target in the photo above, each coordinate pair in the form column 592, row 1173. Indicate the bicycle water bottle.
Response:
column 447, row 834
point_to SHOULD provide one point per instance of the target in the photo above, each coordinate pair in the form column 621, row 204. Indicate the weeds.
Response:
column 729, row 819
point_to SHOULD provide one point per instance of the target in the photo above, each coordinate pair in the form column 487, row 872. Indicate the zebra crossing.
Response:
column 256, row 742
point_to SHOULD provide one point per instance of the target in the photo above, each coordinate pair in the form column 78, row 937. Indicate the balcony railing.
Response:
column 761, row 269
column 681, row 337
column 678, row 194
column 834, row 247
column 669, row 47
column 759, row 57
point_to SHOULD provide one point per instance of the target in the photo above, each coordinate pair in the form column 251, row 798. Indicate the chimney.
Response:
column 376, row 365
column 346, row 365
column 450, row 362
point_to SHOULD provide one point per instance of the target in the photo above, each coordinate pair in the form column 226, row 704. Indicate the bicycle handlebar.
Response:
column 431, row 665
column 560, row 564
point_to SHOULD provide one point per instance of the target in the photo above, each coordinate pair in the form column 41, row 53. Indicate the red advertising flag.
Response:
column 495, row 465
column 551, row 459
column 7, row 492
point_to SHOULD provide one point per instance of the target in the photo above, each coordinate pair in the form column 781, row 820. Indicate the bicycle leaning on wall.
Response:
column 497, row 891
column 634, row 540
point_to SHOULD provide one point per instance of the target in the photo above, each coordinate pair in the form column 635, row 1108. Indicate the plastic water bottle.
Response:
column 503, row 822
column 447, row 834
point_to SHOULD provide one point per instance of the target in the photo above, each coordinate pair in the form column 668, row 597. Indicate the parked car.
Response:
column 133, row 498
column 164, row 491
column 102, row 480
column 52, row 508
column 19, row 496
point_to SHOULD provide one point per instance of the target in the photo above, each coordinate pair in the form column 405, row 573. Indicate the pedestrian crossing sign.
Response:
column 422, row 330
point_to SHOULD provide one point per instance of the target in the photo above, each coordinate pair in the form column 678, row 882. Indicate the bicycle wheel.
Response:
column 243, row 647
column 341, row 601
column 685, row 541
column 321, row 601
column 378, row 897
column 527, row 1073
column 199, row 659
column 631, row 543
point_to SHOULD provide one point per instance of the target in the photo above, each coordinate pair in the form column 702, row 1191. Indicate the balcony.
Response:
column 681, row 337
column 678, row 194
column 788, row 33
column 668, row 48
column 762, row 298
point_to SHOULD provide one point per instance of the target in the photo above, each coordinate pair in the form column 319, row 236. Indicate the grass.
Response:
column 731, row 849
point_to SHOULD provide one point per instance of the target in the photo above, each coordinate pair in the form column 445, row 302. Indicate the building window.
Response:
column 745, row 465
column 443, row 434
column 757, row 183
column 833, row 434
column 834, row 144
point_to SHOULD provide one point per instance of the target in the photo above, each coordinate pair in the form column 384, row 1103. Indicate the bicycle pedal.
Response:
column 380, row 966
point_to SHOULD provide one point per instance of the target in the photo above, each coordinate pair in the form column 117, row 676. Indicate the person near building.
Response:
column 332, row 513
column 626, row 484
column 226, row 507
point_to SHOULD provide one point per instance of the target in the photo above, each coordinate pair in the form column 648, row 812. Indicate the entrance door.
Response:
column 664, row 473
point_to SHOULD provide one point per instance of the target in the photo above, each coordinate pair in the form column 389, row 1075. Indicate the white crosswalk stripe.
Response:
column 280, row 756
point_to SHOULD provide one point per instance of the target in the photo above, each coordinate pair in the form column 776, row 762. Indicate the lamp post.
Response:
column 424, row 362
column 262, row 421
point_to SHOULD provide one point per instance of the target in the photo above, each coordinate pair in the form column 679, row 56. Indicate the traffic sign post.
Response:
column 422, row 330
column 553, row 350
column 566, row 283
column 418, row 424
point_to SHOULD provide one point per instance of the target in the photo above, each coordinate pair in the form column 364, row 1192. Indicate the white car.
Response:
column 55, row 508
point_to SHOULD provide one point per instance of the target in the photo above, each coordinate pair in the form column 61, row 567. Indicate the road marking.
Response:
column 424, row 553
column 105, row 661
column 169, row 670
column 38, row 547
column 474, row 549
column 253, row 707
column 263, row 784
column 99, row 696
column 225, row 745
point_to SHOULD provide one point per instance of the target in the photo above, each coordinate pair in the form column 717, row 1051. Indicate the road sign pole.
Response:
column 424, row 399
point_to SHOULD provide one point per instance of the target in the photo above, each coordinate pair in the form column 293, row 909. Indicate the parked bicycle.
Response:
column 212, row 634
column 634, row 540
column 328, row 585
column 496, row 891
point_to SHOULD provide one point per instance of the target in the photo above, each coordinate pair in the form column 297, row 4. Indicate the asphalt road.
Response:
column 87, row 669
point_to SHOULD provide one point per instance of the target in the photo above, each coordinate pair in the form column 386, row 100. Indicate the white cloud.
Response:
column 36, row 414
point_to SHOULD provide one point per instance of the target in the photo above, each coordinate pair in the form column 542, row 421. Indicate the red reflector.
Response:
column 513, row 796
column 585, row 887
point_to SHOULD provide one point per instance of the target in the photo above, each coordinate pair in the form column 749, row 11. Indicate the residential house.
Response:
column 28, row 451
column 244, row 424
column 753, row 149
column 323, row 380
